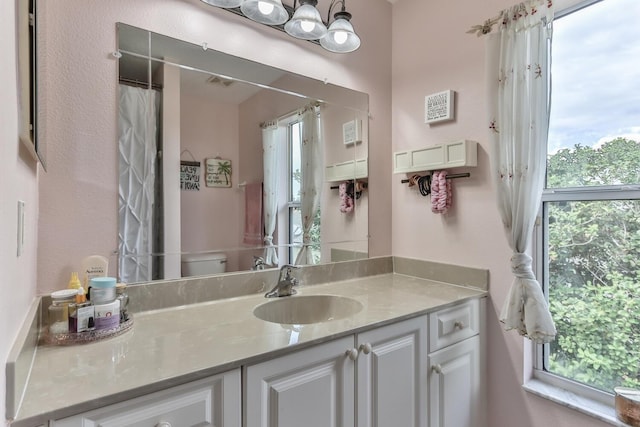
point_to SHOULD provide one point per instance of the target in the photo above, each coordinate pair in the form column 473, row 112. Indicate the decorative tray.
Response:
column 70, row 338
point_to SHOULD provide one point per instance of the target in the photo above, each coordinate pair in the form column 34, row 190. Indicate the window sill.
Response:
column 571, row 400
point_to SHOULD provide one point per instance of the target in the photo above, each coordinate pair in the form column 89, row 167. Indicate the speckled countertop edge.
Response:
column 176, row 345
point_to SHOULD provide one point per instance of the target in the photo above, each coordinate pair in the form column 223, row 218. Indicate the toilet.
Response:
column 203, row 264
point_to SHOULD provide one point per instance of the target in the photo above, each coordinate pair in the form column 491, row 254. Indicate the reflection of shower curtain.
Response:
column 137, row 136
column 270, row 158
column 312, row 169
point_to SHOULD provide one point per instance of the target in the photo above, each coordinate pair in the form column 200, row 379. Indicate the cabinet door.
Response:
column 310, row 388
column 392, row 378
column 454, row 385
column 211, row 402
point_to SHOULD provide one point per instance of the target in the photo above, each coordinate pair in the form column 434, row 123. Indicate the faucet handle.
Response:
column 287, row 270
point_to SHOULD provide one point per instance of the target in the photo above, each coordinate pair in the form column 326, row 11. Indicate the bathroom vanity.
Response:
column 397, row 360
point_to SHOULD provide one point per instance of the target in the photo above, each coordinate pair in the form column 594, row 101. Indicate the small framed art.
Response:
column 439, row 107
column 352, row 132
column 218, row 172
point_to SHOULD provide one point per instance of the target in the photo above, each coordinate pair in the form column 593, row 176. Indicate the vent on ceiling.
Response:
column 215, row 80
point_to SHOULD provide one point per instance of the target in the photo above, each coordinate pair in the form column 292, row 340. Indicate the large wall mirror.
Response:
column 233, row 165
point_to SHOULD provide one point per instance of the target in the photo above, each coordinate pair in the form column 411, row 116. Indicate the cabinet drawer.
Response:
column 452, row 325
column 211, row 402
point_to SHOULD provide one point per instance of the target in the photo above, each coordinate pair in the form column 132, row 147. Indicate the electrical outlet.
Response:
column 20, row 227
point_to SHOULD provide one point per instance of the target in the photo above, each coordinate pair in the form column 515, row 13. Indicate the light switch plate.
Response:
column 20, row 227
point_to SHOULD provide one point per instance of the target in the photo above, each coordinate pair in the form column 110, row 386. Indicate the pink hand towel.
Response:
column 253, row 219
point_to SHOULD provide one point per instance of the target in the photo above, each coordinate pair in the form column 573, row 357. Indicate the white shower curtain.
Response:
column 311, row 186
column 271, row 155
column 137, row 136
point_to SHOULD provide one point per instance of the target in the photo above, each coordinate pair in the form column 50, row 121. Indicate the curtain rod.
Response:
column 290, row 113
column 138, row 83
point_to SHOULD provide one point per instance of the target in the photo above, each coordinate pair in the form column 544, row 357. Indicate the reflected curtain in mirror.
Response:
column 311, row 174
column 271, row 150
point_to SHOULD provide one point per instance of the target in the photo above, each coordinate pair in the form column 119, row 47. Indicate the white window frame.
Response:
column 291, row 204
column 572, row 194
column 285, row 204
column 582, row 397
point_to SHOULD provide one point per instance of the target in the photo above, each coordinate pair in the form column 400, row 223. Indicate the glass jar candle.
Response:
column 59, row 310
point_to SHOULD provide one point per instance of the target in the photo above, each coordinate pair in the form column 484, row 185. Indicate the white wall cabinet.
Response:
column 455, row 394
column 456, row 154
column 317, row 387
column 214, row 401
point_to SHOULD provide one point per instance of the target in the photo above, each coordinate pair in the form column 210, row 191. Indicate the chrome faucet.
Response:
column 284, row 287
column 258, row 263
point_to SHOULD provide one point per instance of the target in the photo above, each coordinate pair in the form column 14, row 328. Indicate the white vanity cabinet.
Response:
column 318, row 387
column 392, row 376
column 213, row 401
column 455, row 395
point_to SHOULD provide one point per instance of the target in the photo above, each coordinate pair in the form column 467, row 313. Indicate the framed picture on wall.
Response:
column 439, row 107
column 218, row 172
column 189, row 176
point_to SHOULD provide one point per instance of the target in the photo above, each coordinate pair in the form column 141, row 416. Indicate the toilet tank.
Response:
column 203, row 264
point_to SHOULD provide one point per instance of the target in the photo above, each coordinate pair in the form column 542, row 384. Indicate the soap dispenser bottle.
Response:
column 74, row 283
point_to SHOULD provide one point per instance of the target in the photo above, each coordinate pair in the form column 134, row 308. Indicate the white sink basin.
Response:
column 305, row 309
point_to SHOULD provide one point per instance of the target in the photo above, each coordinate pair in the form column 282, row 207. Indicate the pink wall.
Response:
column 431, row 53
column 18, row 181
column 211, row 217
column 78, row 76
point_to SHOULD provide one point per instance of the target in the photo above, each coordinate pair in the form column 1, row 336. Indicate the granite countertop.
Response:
column 175, row 345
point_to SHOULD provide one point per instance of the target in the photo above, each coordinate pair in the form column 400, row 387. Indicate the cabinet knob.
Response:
column 365, row 348
column 458, row 325
column 352, row 353
column 437, row 369
column 163, row 424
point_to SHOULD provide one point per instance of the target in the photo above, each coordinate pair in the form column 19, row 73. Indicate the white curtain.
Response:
column 137, row 136
column 518, row 73
column 311, row 185
column 270, row 157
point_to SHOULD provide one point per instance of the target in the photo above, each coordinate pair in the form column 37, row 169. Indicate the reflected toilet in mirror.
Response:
column 203, row 264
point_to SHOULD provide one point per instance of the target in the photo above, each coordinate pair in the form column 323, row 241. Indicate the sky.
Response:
column 595, row 75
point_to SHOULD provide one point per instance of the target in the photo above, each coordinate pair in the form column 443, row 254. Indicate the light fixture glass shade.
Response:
column 227, row 4
column 270, row 12
column 306, row 24
column 340, row 37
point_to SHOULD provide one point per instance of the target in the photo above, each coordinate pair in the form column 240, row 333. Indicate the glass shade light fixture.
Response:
column 305, row 23
column 341, row 38
column 270, row 12
column 224, row 3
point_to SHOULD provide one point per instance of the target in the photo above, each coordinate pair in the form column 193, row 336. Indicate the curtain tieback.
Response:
column 521, row 266
column 268, row 240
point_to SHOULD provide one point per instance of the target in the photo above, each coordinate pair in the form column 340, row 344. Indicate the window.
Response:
column 590, row 234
